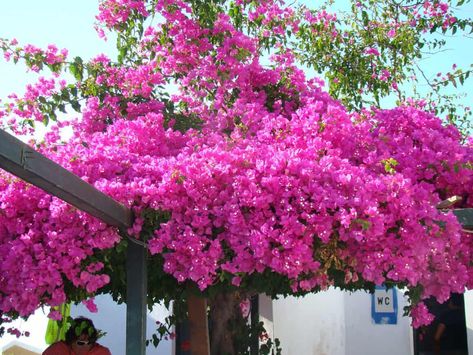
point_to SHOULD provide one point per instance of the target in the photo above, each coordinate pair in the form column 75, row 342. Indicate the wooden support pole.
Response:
column 254, row 317
column 198, row 325
column 136, row 294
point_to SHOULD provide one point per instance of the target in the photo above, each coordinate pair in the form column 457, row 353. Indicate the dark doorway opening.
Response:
column 447, row 335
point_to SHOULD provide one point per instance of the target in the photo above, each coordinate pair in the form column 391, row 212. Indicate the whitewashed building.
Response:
column 328, row 323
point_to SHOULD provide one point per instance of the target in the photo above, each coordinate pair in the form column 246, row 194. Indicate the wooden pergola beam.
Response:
column 465, row 217
column 21, row 160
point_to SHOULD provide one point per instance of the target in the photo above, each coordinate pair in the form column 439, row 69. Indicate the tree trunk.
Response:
column 226, row 321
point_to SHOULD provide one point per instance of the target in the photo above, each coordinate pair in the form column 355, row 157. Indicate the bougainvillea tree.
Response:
column 245, row 177
column 377, row 50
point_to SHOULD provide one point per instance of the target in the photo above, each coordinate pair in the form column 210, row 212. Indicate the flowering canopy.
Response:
column 246, row 170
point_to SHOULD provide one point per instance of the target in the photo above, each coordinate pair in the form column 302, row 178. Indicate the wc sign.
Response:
column 384, row 305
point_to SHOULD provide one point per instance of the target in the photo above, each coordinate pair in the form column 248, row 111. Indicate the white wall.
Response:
column 328, row 323
column 469, row 319
column 36, row 325
column 111, row 318
column 312, row 325
column 339, row 323
column 365, row 337
column 265, row 308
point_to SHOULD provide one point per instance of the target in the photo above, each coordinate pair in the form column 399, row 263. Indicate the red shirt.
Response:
column 61, row 348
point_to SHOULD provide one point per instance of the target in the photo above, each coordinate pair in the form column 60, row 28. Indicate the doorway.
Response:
column 447, row 334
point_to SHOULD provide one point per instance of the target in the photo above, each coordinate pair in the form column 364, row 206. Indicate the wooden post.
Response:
column 136, row 298
column 254, row 318
column 465, row 217
column 198, row 325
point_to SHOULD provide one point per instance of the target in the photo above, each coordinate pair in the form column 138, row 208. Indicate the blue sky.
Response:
column 65, row 23
column 69, row 24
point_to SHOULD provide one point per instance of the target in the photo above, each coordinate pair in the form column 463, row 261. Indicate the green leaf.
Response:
column 122, row 52
column 77, row 68
column 75, row 105
column 62, row 108
column 365, row 225
column 155, row 340
column 364, row 16
column 389, row 165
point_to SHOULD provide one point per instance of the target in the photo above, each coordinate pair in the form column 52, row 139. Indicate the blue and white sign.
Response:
column 384, row 305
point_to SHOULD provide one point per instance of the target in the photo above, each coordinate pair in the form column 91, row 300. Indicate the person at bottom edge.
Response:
column 81, row 339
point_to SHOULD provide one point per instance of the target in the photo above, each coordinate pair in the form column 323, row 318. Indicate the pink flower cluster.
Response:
column 33, row 56
column 280, row 178
column 28, row 107
column 113, row 13
column 435, row 12
column 321, row 17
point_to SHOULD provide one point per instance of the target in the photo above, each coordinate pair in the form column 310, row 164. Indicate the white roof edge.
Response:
column 23, row 345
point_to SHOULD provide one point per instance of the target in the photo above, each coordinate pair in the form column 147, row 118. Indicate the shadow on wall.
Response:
column 111, row 318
